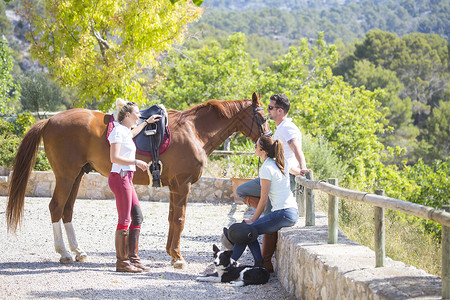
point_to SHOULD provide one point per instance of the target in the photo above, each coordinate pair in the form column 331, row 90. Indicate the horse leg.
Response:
column 177, row 212
column 60, row 248
column 62, row 189
column 80, row 255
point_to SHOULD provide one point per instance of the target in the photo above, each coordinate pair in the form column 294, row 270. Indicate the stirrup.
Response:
column 156, row 175
column 150, row 132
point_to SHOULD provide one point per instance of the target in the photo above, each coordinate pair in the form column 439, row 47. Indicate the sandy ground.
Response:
column 30, row 268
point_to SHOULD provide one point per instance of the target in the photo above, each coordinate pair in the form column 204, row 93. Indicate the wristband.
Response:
column 146, row 121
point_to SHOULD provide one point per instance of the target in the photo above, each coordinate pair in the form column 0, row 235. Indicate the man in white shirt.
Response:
column 290, row 136
column 288, row 133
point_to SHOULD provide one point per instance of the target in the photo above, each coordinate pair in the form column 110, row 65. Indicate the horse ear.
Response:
column 255, row 99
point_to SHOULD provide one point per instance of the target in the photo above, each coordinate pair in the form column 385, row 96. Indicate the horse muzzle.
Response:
column 268, row 133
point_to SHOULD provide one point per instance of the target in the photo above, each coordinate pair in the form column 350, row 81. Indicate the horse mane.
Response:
column 225, row 108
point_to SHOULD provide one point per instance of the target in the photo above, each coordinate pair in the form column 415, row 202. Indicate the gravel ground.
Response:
column 30, row 268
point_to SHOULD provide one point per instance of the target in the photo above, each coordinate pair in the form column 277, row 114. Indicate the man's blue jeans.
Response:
column 268, row 223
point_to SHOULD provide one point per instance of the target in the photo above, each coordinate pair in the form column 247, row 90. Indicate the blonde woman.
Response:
column 124, row 163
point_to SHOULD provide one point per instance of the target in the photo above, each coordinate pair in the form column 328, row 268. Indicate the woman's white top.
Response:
column 280, row 194
column 122, row 135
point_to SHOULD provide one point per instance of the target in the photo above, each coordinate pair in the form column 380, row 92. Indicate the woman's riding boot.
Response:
column 268, row 249
column 251, row 201
column 122, row 263
column 133, row 248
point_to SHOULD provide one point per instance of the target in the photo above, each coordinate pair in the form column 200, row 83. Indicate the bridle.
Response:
column 258, row 121
column 261, row 133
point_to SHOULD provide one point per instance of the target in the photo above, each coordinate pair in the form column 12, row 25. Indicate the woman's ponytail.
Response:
column 274, row 149
column 279, row 155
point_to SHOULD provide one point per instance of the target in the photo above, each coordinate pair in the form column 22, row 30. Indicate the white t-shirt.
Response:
column 280, row 194
column 285, row 132
column 122, row 135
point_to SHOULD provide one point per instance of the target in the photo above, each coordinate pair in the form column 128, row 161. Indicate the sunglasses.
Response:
column 270, row 107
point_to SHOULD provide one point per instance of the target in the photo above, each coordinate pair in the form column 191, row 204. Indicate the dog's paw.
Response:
column 208, row 279
column 201, row 278
column 237, row 283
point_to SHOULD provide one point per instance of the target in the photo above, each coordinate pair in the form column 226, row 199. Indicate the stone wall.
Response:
column 95, row 186
column 310, row 268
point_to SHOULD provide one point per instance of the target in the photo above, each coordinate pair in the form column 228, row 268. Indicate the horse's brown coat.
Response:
column 75, row 141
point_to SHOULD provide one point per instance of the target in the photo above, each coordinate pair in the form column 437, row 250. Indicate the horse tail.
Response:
column 22, row 167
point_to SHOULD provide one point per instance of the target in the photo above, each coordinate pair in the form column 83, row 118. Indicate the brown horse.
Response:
column 75, row 143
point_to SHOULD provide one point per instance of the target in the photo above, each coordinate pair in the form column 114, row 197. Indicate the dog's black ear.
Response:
column 215, row 248
column 228, row 253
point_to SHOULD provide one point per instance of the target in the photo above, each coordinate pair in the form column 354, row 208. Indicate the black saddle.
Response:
column 150, row 139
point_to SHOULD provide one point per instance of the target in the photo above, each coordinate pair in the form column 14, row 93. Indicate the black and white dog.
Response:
column 229, row 271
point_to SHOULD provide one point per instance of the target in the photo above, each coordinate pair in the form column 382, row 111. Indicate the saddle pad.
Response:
column 165, row 144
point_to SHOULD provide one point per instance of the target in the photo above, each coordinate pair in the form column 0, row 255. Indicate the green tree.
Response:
column 402, row 132
column 9, row 92
column 438, row 133
column 212, row 72
column 419, row 60
column 39, row 94
column 412, row 73
column 5, row 24
column 101, row 47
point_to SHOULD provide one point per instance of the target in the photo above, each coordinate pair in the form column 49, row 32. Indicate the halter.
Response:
column 255, row 116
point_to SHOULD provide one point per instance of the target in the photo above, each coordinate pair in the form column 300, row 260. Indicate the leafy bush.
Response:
column 8, row 149
column 321, row 158
column 23, row 122
column 245, row 166
column 42, row 163
column 6, row 127
column 10, row 138
column 432, row 189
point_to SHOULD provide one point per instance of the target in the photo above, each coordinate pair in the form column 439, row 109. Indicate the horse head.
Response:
column 257, row 125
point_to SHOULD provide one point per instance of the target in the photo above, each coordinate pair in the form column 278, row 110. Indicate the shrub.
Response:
column 8, row 150
column 321, row 158
column 10, row 138
column 23, row 122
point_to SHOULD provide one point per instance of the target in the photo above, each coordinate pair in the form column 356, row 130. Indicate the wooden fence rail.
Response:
column 380, row 203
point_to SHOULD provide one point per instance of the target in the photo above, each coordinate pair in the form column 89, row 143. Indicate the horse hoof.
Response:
column 81, row 257
column 66, row 260
column 179, row 264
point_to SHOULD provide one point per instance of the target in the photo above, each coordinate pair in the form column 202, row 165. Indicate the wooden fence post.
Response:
column 310, row 217
column 300, row 197
column 445, row 275
column 332, row 215
column 380, row 248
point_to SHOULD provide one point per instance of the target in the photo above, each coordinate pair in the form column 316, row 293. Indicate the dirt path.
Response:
column 29, row 266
